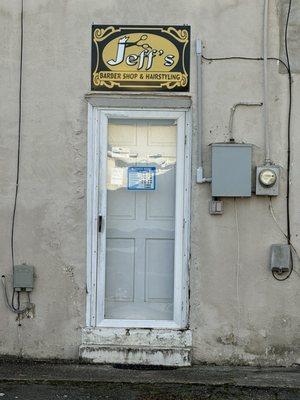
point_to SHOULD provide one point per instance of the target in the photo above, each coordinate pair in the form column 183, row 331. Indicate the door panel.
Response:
column 120, row 266
column 164, row 192
column 140, row 224
column 121, row 206
column 159, row 267
column 122, row 137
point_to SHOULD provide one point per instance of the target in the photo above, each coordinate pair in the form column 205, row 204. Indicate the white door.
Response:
column 141, row 237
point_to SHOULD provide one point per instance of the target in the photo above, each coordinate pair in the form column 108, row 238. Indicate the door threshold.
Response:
column 135, row 346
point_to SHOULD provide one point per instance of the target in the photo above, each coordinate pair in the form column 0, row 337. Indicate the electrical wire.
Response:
column 271, row 208
column 18, row 149
column 12, row 235
column 288, row 219
column 289, row 124
column 274, row 217
column 288, row 69
column 9, row 305
column 272, row 212
column 19, row 140
column 18, row 300
column 246, row 59
column 275, row 276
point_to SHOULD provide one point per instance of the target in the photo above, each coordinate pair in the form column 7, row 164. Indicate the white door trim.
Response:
column 96, row 199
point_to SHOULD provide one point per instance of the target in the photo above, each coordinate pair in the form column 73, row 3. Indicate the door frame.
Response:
column 96, row 194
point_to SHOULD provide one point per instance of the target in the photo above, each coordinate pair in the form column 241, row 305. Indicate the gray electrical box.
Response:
column 23, row 278
column 231, row 169
column 280, row 258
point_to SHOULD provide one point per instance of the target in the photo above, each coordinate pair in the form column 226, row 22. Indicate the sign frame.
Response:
column 161, row 75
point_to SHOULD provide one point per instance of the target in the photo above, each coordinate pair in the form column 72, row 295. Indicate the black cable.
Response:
column 288, row 220
column 246, row 58
column 18, row 300
column 11, row 306
column 289, row 122
column 19, row 142
column 288, row 68
column 18, row 150
column 283, row 279
column 8, row 303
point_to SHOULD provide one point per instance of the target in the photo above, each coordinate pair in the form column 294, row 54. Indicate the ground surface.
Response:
column 50, row 381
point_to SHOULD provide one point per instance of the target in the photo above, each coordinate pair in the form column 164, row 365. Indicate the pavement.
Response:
column 29, row 380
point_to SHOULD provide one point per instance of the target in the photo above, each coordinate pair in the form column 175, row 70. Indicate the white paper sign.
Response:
column 117, row 176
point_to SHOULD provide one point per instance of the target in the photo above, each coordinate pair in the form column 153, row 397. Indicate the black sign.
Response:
column 140, row 58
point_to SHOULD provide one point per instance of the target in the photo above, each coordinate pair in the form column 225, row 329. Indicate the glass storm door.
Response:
column 140, row 208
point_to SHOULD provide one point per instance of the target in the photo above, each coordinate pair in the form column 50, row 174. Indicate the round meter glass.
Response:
column 267, row 177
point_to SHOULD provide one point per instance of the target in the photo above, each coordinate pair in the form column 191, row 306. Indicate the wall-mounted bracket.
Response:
column 200, row 178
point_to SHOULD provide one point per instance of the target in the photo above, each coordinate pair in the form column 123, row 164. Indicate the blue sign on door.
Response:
column 141, row 178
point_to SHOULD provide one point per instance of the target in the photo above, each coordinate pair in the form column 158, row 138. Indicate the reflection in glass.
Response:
column 140, row 223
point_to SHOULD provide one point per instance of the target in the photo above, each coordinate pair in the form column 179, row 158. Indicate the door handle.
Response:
column 99, row 223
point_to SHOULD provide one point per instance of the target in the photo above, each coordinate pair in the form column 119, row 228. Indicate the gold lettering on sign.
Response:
column 132, row 58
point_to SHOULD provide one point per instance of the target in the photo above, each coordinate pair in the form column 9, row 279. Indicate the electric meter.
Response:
column 267, row 180
column 267, row 177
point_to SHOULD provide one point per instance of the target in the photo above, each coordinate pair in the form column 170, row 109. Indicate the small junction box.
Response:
column 23, row 278
column 231, row 169
column 280, row 258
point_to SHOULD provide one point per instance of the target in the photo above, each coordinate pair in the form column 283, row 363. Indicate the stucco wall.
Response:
column 239, row 313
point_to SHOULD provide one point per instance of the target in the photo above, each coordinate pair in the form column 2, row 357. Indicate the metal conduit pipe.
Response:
column 232, row 111
column 265, row 91
column 199, row 100
column 200, row 174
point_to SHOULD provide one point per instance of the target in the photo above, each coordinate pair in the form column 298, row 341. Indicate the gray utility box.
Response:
column 231, row 169
column 280, row 258
column 23, row 278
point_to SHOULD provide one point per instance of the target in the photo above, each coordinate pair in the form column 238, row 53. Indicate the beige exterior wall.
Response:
column 238, row 312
